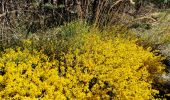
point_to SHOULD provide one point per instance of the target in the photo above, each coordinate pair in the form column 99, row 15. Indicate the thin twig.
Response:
column 14, row 11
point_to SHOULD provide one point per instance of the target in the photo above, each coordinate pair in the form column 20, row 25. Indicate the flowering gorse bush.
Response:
column 97, row 68
column 28, row 76
column 110, row 68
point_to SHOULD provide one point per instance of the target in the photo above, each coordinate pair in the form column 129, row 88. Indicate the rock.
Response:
column 163, row 83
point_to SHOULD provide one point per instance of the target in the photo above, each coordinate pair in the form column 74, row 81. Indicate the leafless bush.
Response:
column 19, row 18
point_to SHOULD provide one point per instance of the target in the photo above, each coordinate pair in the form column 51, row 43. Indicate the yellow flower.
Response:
column 98, row 68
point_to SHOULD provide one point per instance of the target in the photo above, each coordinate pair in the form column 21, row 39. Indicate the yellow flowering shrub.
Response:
column 97, row 68
column 26, row 75
column 107, row 68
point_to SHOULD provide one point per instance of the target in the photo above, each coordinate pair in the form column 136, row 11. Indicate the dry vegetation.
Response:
column 87, row 42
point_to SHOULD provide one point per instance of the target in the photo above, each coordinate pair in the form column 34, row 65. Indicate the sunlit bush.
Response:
column 26, row 75
column 111, row 69
column 93, row 68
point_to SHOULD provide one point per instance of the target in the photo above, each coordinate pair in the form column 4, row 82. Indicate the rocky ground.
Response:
column 154, row 30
